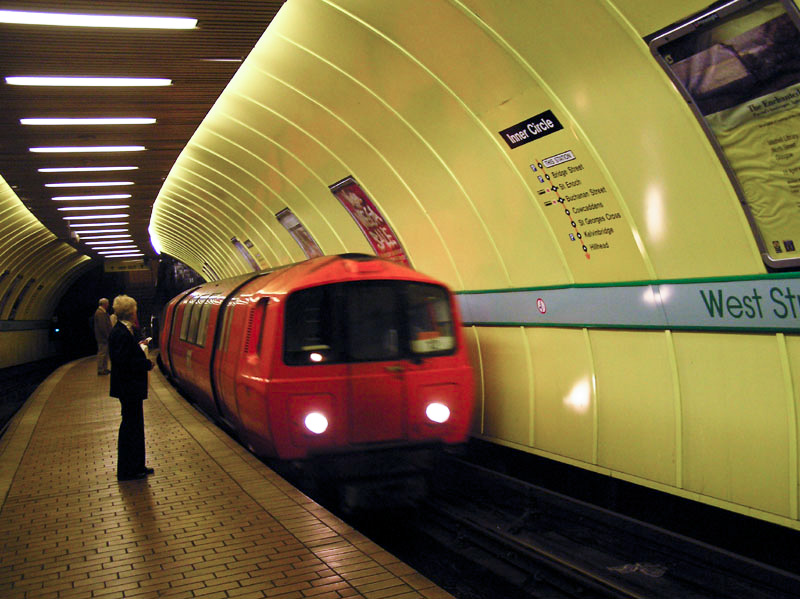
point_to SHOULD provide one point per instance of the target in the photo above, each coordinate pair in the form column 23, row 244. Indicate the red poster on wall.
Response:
column 377, row 231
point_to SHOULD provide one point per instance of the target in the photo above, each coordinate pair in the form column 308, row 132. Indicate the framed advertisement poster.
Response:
column 299, row 233
column 738, row 65
column 377, row 231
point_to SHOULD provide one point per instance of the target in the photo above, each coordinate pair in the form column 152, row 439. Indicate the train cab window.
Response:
column 738, row 65
column 373, row 321
column 430, row 320
column 311, row 324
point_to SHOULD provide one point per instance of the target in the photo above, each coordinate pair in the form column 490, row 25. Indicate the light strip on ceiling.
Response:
column 74, row 149
column 86, row 208
column 100, row 224
column 18, row 17
column 92, row 237
column 86, row 169
column 90, row 184
column 115, row 252
column 95, row 216
column 120, row 240
column 93, row 121
column 111, row 245
column 89, row 81
column 112, row 196
column 100, row 231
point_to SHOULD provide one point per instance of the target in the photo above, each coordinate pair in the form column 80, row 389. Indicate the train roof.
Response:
column 316, row 271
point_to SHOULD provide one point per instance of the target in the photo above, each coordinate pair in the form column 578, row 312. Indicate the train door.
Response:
column 377, row 402
column 226, row 362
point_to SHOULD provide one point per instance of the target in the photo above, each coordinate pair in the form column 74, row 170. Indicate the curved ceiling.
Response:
column 36, row 268
column 198, row 62
column 410, row 99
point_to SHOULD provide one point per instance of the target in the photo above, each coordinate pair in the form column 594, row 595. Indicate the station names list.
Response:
column 585, row 204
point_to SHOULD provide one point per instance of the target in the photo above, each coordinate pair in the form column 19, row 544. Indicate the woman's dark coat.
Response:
column 129, row 365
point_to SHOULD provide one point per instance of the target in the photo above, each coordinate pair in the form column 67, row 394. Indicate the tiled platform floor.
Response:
column 213, row 522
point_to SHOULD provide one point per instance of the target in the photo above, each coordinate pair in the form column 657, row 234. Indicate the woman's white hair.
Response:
column 124, row 307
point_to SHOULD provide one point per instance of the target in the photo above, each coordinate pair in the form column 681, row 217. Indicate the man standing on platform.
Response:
column 102, row 329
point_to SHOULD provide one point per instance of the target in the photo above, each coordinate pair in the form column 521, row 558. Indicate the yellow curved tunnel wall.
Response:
column 409, row 99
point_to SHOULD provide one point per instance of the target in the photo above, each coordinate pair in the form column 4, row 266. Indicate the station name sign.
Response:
column 758, row 304
column 531, row 129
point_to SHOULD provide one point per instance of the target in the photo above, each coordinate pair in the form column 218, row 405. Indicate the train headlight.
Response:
column 437, row 412
column 316, row 423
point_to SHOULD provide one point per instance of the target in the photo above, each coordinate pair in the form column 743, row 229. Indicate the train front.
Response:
column 373, row 375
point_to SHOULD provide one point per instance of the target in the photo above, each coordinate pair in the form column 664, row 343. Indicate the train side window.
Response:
column 738, row 66
column 202, row 326
column 191, row 334
column 255, row 326
column 373, row 321
column 311, row 325
column 186, row 317
column 226, row 327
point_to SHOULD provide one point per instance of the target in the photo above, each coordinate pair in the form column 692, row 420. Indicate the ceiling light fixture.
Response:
column 100, row 224
column 94, row 121
column 89, row 81
column 93, row 237
column 86, row 169
column 95, row 216
column 98, row 231
column 84, row 208
column 90, row 184
column 73, row 149
column 120, row 240
column 19, row 17
column 112, row 196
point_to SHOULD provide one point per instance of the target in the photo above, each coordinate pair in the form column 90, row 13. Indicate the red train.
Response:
column 332, row 355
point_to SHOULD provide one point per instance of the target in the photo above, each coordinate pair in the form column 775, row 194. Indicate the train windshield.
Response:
column 368, row 321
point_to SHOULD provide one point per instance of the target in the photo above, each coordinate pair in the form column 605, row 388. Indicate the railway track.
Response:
column 18, row 383
column 484, row 535
column 543, row 544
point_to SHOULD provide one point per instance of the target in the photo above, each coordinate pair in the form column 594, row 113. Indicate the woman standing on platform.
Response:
column 129, row 367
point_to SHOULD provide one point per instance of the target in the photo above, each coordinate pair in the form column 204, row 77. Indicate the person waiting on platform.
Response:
column 102, row 329
column 129, row 367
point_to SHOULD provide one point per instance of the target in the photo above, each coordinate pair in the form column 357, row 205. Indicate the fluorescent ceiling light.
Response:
column 18, row 17
column 115, row 246
column 73, row 149
column 95, row 216
column 93, row 237
column 89, row 231
column 89, row 81
column 100, row 224
column 112, row 196
column 86, row 169
column 90, row 184
column 95, row 121
column 120, row 240
column 83, row 208
column 117, row 252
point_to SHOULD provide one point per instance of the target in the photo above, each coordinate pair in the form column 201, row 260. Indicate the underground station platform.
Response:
column 212, row 521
